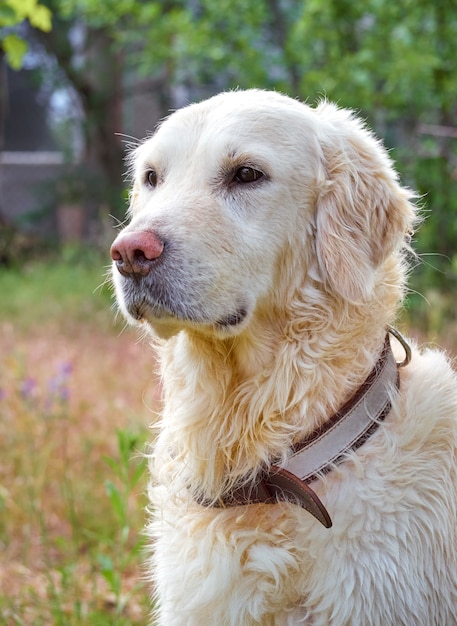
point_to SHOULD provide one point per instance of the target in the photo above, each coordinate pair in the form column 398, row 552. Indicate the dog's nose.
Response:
column 134, row 252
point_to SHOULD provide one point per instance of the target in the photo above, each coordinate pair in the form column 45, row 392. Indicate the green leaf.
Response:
column 41, row 18
column 13, row 12
column 138, row 473
column 8, row 16
column 20, row 8
column 106, row 562
column 109, row 573
column 15, row 49
column 114, row 465
column 115, row 499
column 125, row 533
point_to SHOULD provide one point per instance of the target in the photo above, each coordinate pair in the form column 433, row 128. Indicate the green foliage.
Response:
column 366, row 55
column 13, row 13
column 15, row 48
column 119, row 492
column 220, row 39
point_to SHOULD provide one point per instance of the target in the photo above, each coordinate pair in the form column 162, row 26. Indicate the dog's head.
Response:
column 226, row 189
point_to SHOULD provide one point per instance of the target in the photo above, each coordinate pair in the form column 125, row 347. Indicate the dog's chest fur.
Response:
column 269, row 564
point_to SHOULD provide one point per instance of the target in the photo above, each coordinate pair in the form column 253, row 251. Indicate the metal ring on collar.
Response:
column 399, row 337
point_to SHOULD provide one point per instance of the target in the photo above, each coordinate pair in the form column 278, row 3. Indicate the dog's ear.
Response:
column 362, row 213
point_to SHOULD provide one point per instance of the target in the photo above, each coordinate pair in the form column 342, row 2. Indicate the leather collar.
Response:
column 328, row 445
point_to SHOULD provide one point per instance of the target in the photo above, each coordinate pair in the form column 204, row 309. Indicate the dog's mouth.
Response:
column 171, row 299
column 144, row 311
column 153, row 313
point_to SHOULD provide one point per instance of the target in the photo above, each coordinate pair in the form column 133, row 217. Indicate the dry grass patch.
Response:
column 75, row 402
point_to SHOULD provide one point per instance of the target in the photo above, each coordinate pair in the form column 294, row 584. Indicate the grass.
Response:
column 76, row 397
column 65, row 289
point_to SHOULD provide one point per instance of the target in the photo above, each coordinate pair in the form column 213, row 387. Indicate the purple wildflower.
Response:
column 27, row 388
column 57, row 385
column 66, row 369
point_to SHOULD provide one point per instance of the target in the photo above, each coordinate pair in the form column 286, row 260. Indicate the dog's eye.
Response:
column 247, row 175
column 151, row 178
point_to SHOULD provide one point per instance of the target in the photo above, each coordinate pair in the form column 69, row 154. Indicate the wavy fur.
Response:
column 313, row 256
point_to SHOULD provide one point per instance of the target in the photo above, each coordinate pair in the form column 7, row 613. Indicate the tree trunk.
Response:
column 101, row 97
column 94, row 71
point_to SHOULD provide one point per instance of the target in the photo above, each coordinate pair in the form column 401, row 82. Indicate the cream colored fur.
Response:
column 313, row 255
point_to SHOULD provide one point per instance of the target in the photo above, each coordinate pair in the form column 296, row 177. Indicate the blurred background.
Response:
column 81, row 81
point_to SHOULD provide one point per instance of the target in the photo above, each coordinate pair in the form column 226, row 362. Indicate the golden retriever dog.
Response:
column 304, row 470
